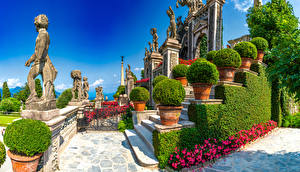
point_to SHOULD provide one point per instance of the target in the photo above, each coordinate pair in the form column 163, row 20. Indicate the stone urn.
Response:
column 169, row 115
column 24, row 163
column 183, row 81
column 226, row 73
column 260, row 55
column 246, row 63
column 139, row 105
column 201, row 90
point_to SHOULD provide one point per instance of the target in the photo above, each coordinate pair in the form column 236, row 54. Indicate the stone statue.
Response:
column 86, row 88
column 171, row 32
column 153, row 32
column 146, row 52
column 150, row 47
column 193, row 5
column 99, row 93
column 180, row 28
column 41, row 65
column 77, row 86
column 129, row 81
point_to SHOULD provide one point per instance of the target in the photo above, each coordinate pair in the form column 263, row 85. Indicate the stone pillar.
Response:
column 215, row 21
column 122, row 72
column 170, row 51
column 155, row 59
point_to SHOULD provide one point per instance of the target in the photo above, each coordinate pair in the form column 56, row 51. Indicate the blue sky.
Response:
column 92, row 35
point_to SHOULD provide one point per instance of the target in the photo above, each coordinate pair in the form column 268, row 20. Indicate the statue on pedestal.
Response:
column 86, row 88
column 193, row 5
column 153, row 32
column 77, row 86
column 41, row 65
column 99, row 97
column 150, row 47
column 171, row 32
column 146, row 52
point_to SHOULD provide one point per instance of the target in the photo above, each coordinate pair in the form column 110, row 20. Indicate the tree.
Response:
column 38, row 88
column 121, row 90
column 0, row 97
column 64, row 98
column 10, row 104
column 23, row 94
column 134, row 77
column 6, row 92
column 142, row 74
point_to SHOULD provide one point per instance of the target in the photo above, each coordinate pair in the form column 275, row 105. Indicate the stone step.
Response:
column 145, row 135
column 155, row 118
column 185, row 104
column 143, row 154
column 184, row 117
column 149, row 125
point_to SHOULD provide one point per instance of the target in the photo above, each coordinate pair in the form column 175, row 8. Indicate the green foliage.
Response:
column 134, row 77
column 38, row 87
column 64, row 98
column 27, row 137
column 227, row 58
column 2, row 153
column 139, row 94
column 0, row 97
column 10, row 105
column 246, row 49
column 292, row 121
column 5, row 91
column 211, row 55
column 203, row 46
column 23, row 94
column 126, row 122
column 179, row 71
column 116, row 95
column 121, row 89
column 142, row 74
column 275, row 100
column 260, row 43
column 202, row 72
column 169, row 92
column 158, row 79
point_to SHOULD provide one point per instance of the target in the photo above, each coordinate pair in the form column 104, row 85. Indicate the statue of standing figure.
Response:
column 77, row 86
column 99, row 93
column 86, row 88
column 153, row 32
column 171, row 32
column 193, row 5
column 41, row 65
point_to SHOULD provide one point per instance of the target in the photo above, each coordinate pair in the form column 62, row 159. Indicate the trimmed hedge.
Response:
column 2, row 153
column 243, row 107
column 27, row 137
column 246, row 49
column 260, row 43
column 211, row 55
column 203, row 72
column 139, row 94
column 169, row 92
column 158, row 79
column 179, row 71
column 227, row 58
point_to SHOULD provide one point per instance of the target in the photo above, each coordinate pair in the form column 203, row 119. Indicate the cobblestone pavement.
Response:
column 99, row 151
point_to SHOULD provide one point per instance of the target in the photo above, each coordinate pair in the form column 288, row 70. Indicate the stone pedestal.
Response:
column 181, row 124
column 42, row 105
column 40, row 115
column 154, row 60
column 170, row 51
column 123, row 100
column 137, row 116
column 98, row 104
column 75, row 103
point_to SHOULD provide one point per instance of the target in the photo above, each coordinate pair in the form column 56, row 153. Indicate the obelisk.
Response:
column 122, row 71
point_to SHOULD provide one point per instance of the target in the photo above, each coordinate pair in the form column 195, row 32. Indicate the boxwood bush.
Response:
column 227, row 58
column 260, row 43
column 169, row 92
column 246, row 49
column 202, row 72
column 27, row 137
column 158, row 79
column 10, row 104
column 2, row 153
column 180, row 71
column 211, row 55
column 139, row 94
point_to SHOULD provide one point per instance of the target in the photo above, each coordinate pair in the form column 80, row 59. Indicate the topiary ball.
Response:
column 169, row 92
column 246, row 49
column 227, row 58
column 211, row 55
column 179, row 71
column 260, row 43
column 158, row 79
column 27, row 137
column 203, row 72
column 139, row 94
column 2, row 153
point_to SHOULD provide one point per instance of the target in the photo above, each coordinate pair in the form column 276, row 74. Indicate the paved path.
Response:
column 99, row 151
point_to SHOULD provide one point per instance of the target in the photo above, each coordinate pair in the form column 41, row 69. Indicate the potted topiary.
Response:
column 139, row 96
column 116, row 96
column 210, row 56
column 248, row 52
column 261, row 46
column 227, row 60
column 2, row 154
column 26, row 139
column 169, row 94
column 158, row 79
column 202, row 75
column 179, row 73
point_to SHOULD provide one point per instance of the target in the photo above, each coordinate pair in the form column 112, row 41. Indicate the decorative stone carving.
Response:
column 153, row 32
column 171, row 32
column 77, row 86
column 146, row 52
column 41, row 65
column 180, row 28
column 129, row 81
column 99, row 97
column 86, row 88
column 193, row 5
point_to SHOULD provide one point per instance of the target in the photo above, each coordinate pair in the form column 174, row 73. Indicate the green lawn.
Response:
column 7, row 119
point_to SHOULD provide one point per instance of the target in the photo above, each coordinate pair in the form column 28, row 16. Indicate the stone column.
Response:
column 122, row 72
column 155, row 59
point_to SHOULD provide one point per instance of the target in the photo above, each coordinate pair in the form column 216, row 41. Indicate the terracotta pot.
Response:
column 226, row 73
column 201, row 90
column 116, row 99
column 169, row 115
column 260, row 55
column 24, row 163
column 246, row 63
column 139, row 105
column 183, row 81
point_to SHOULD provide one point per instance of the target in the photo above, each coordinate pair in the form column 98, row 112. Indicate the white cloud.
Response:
column 138, row 69
column 246, row 25
column 12, row 83
column 242, row 5
column 115, row 75
column 97, row 82
column 62, row 87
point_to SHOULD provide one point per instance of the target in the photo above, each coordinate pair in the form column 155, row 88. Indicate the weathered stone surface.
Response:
column 86, row 88
column 208, row 101
column 77, row 86
column 181, row 124
column 40, row 115
column 137, row 117
column 171, row 32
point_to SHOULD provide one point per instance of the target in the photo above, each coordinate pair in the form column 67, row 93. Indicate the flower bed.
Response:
column 213, row 149
column 111, row 103
column 186, row 62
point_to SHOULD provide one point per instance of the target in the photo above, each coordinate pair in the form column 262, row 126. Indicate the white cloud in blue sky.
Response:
column 12, row 83
column 97, row 82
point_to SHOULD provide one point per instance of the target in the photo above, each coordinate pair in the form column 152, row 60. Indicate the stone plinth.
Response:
column 40, row 115
column 261, row 63
column 208, row 101
column 181, row 124
column 123, row 100
column 137, row 116
column 170, row 51
column 75, row 103
column 230, row 83
column 246, row 70
column 42, row 105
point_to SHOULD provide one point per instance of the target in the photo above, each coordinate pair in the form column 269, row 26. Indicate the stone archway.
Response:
column 201, row 46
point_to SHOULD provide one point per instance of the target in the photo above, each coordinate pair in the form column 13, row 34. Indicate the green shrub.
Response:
column 260, row 43
column 10, row 105
column 116, row 95
column 139, row 94
column 27, row 137
column 169, row 92
column 292, row 121
column 211, row 55
column 126, row 122
column 158, row 79
column 202, row 72
column 64, row 99
column 2, row 154
column 246, row 49
column 227, row 58
column 121, row 89
column 179, row 71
